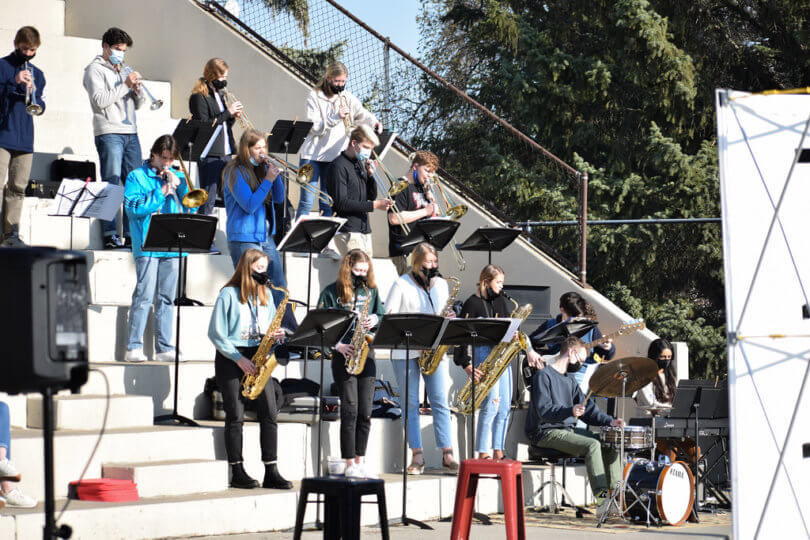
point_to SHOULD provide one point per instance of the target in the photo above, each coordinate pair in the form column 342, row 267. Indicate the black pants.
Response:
column 210, row 173
column 229, row 381
column 356, row 397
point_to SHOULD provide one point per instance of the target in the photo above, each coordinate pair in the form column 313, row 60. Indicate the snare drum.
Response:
column 668, row 491
column 635, row 437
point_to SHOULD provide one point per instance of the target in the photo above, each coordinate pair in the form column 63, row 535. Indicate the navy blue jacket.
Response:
column 17, row 126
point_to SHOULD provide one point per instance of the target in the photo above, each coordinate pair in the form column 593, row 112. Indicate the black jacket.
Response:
column 205, row 109
column 478, row 308
column 353, row 191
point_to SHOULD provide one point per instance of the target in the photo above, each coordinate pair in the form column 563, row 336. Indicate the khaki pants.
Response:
column 15, row 166
column 402, row 264
column 345, row 242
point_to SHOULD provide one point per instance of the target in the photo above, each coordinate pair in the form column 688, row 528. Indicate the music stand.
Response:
column 489, row 239
column 403, row 331
column 286, row 138
column 435, row 231
column 555, row 335
column 387, row 138
column 181, row 233
column 319, row 327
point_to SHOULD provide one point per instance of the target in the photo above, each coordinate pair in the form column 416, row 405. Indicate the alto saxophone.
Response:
column 429, row 360
column 264, row 359
column 494, row 365
column 360, row 341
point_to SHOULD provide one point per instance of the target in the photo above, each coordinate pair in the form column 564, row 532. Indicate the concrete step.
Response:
column 86, row 412
column 17, row 408
column 171, row 478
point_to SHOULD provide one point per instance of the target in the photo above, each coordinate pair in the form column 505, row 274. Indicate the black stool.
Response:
column 550, row 456
column 343, row 502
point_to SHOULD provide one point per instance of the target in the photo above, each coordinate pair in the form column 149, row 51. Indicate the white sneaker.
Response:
column 329, row 253
column 168, row 356
column 135, row 355
column 8, row 472
column 17, row 499
column 355, row 470
column 367, row 472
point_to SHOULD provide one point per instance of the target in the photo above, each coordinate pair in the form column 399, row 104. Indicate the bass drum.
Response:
column 669, row 490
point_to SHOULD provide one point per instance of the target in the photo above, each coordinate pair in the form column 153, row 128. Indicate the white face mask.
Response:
column 363, row 154
column 116, row 57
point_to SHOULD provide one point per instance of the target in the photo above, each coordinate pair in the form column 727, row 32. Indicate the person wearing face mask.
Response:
column 151, row 189
column 114, row 97
column 556, row 403
column 18, row 77
column 354, row 287
column 422, row 290
column 351, row 185
column 248, row 181
column 206, row 105
column 414, row 204
column 242, row 314
column 328, row 104
column 489, row 301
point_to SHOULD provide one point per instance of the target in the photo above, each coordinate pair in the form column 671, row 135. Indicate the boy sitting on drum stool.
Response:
column 556, row 404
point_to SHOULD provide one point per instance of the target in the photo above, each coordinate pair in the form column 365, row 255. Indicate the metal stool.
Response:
column 550, row 456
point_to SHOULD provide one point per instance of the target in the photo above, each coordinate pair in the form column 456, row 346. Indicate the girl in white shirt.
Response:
column 422, row 290
column 329, row 105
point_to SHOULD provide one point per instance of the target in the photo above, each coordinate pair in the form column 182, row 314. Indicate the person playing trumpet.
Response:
column 350, row 182
column 247, row 181
column 413, row 204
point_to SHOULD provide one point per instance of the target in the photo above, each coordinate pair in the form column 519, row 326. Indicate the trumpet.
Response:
column 228, row 99
column 31, row 106
column 348, row 121
column 156, row 103
column 301, row 176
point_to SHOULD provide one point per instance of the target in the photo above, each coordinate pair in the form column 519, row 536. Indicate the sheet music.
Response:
column 298, row 220
column 514, row 324
column 100, row 200
column 207, row 148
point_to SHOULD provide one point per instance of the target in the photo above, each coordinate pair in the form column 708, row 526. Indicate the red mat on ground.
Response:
column 106, row 490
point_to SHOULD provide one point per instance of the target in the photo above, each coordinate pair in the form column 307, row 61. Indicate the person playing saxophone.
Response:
column 355, row 290
column 489, row 301
column 242, row 314
column 422, row 290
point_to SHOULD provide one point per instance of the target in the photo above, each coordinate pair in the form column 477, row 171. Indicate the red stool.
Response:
column 511, row 475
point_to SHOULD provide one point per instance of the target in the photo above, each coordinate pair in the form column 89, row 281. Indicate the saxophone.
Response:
column 494, row 365
column 429, row 360
column 264, row 359
column 360, row 340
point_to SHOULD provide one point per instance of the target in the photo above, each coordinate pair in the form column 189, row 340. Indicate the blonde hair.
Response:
column 488, row 273
column 419, row 254
column 332, row 70
column 363, row 133
column 213, row 69
column 242, row 161
column 242, row 277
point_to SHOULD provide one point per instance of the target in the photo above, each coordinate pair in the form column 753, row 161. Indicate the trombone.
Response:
column 451, row 211
column 195, row 197
column 302, row 176
column 396, row 187
column 156, row 103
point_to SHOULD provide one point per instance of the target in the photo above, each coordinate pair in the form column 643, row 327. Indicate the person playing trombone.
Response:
column 351, row 184
column 413, row 204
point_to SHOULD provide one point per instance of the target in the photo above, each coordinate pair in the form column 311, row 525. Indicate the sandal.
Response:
column 417, row 466
column 449, row 465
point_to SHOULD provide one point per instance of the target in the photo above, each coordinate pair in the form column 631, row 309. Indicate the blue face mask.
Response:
column 254, row 162
column 116, row 57
column 363, row 154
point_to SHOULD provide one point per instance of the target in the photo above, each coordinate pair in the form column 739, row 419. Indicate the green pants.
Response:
column 583, row 443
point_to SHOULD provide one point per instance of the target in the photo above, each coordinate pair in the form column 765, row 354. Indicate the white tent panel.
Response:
column 758, row 137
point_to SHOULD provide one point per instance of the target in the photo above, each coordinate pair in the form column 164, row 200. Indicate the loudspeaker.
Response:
column 44, row 296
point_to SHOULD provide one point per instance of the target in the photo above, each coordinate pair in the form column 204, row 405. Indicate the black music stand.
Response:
column 181, row 233
column 489, row 239
column 286, row 138
column 436, row 232
column 387, row 138
column 319, row 328
column 310, row 236
column 398, row 331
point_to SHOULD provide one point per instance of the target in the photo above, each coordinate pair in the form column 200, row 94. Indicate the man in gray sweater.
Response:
column 114, row 96
column 556, row 404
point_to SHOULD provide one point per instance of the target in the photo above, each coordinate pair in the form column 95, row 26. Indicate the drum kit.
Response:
column 649, row 491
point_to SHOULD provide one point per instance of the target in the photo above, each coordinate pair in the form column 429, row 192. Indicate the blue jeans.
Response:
column 307, row 199
column 437, row 388
column 210, row 173
column 493, row 418
column 155, row 274
column 274, row 267
column 118, row 155
column 5, row 429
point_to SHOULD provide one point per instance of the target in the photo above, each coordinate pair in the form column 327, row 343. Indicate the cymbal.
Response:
column 638, row 371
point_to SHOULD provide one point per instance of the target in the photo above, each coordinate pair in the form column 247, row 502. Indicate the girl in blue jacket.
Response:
column 247, row 182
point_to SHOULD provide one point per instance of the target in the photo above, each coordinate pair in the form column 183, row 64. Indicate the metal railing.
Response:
column 388, row 80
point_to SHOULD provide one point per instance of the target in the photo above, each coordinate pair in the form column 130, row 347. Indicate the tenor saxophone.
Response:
column 264, row 359
column 360, row 341
column 429, row 360
column 494, row 365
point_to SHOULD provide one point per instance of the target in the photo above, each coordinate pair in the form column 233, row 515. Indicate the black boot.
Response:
column 240, row 479
column 273, row 478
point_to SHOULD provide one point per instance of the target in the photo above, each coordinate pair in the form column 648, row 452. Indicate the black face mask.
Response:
column 430, row 273
column 219, row 85
column 358, row 281
column 21, row 58
column 491, row 295
column 336, row 89
column 663, row 364
column 573, row 368
column 262, row 278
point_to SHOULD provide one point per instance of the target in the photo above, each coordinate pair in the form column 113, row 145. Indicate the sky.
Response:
column 397, row 20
